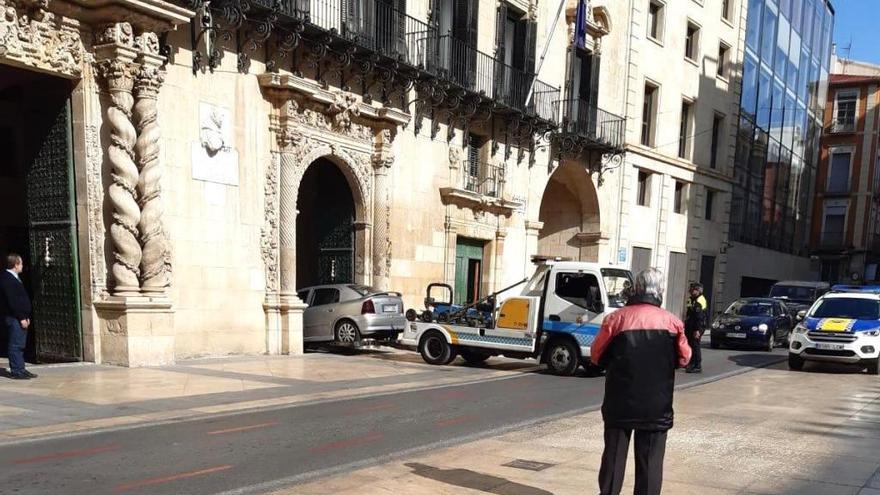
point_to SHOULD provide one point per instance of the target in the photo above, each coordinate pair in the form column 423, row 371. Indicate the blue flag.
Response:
column 580, row 28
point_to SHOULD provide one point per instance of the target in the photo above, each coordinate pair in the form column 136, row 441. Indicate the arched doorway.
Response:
column 570, row 215
column 325, row 241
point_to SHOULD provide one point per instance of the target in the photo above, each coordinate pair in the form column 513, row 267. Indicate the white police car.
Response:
column 843, row 326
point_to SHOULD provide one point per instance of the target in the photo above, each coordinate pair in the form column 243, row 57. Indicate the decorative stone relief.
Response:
column 337, row 118
column 214, row 157
column 35, row 37
column 454, row 157
column 269, row 232
column 95, row 198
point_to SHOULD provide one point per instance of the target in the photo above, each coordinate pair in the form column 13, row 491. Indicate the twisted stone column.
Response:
column 154, row 269
column 381, row 220
column 125, row 270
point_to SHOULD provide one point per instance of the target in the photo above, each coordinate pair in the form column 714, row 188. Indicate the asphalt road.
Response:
column 252, row 452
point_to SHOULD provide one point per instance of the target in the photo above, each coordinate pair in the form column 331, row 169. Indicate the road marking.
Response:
column 445, row 423
column 343, row 444
column 243, row 428
column 156, row 481
column 65, row 455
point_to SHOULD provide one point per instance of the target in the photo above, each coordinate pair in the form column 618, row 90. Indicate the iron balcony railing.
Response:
column 484, row 178
column 378, row 26
column 843, row 124
column 580, row 118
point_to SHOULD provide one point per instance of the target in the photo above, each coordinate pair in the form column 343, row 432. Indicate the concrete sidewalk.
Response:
column 769, row 431
column 75, row 398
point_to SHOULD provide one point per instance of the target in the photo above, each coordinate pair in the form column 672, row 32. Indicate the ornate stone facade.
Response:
column 33, row 37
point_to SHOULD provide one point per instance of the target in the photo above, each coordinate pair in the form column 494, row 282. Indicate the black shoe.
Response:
column 19, row 376
column 694, row 370
column 29, row 374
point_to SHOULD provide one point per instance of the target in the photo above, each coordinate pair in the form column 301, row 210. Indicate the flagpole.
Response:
column 544, row 51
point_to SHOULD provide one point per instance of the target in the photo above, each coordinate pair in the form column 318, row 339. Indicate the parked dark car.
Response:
column 755, row 322
column 798, row 295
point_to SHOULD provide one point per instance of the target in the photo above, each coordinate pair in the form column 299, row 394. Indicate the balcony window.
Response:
column 834, row 224
column 643, row 191
column 723, row 60
column 684, row 129
column 680, row 198
column 656, row 14
column 727, row 9
column 649, row 114
column 838, row 172
column 717, row 133
column 692, row 42
column 845, row 107
column 710, row 204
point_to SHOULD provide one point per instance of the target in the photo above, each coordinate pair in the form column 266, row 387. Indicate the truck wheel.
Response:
column 562, row 357
column 435, row 350
column 795, row 362
column 874, row 366
column 473, row 358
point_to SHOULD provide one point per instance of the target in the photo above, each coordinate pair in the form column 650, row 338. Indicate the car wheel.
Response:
column 874, row 366
column 473, row 358
column 562, row 357
column 795, row 362
column 435, row 350
column 771, row 342
column 347, row 332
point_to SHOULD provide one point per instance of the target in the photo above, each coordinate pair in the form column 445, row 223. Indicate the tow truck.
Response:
column 554, row 319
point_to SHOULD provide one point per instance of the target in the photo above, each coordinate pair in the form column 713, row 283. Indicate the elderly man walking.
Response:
column 640, row 346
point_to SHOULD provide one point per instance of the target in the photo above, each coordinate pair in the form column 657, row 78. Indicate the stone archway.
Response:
column 569, row 213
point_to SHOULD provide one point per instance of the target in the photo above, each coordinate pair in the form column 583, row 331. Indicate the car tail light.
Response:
column 368, row 307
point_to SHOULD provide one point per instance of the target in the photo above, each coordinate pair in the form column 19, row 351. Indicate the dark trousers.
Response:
column 697, row 355
column 17, row 342
column 650, row 448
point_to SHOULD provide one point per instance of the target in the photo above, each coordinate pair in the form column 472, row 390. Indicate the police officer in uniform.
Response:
column 695, row 325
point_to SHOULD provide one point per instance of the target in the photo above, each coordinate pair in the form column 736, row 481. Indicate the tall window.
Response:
column 845, row 111
column 680, row 197
column 717, row 130
column 644, row 189
column 472, row 175
column 727, row 9
column 723, row 60
column 838, row 172
column 684, row 129
column 649, row 113
column 692, row 42
column 710, row 203
column 834, row 223
column 655, row 20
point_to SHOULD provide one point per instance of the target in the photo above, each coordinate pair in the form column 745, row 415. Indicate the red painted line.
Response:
column 243, row 428
column 454, row 421
column 65, row 455
column 373, row 408
column 343, row 444
column 165, row 479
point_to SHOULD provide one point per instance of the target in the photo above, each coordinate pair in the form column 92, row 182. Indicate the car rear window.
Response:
column 793, row 292
column 843, row 307
column 363, row 290
column 750, row 308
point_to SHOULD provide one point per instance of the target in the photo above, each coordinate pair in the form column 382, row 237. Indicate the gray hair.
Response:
column 650, row 282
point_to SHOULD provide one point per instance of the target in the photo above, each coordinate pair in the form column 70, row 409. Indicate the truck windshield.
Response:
column 617, row 285
column 800, row 294
column 535, row 286
column 844, row 307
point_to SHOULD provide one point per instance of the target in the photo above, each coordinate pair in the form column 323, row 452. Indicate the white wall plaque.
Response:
column 214, row 157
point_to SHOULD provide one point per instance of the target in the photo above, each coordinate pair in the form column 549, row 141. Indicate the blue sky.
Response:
column 857, row 20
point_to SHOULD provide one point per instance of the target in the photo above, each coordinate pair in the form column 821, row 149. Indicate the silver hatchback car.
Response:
column 345, row 313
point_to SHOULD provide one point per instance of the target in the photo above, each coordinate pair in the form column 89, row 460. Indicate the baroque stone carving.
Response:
column 125, row 270
column 155, row 261
column 269, row 232
column 454, row 157
column 337, row 118
column 95, row 198
column 120, row 34
column 32, row 35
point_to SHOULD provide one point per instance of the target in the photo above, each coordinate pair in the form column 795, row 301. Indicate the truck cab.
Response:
column 555, row 318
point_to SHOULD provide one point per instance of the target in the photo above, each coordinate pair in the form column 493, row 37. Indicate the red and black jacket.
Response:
column 640, row 346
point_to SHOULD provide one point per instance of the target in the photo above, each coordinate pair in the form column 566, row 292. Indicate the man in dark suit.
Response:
column 15, row 314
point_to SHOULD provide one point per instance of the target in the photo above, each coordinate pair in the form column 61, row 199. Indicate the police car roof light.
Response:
column 871, row 289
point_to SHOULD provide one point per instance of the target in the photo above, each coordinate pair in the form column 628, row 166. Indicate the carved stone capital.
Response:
column 118, row 74
column 120, row 34
column 383, row 161
column 148, row 81
column 147, row 43
column 288, row 137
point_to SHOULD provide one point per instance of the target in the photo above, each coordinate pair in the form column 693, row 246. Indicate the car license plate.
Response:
column 389, row 308
column 736, row 335
column 829, row 347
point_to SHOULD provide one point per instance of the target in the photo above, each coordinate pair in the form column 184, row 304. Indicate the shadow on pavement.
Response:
column 473, row 480
column 756, row 360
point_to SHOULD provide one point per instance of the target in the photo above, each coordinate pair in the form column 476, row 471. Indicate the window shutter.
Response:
column 473, row 21
column 595, row 63
column 400, row 17
column 531, row 45
column 501, row 76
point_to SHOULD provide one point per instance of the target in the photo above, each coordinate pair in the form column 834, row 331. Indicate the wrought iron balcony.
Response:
column 588, row 127
column 484, row 178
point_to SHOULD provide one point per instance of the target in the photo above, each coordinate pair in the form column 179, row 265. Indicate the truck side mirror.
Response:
column 598, row 307
column 801, row 315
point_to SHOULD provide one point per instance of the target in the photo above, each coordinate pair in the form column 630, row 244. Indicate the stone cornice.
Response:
column 477, row 202
column 145, row 15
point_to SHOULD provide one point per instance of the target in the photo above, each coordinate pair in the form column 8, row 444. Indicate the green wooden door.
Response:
column 468, row 270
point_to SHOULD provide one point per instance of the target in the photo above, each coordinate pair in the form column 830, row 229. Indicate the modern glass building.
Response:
column 784, row 88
